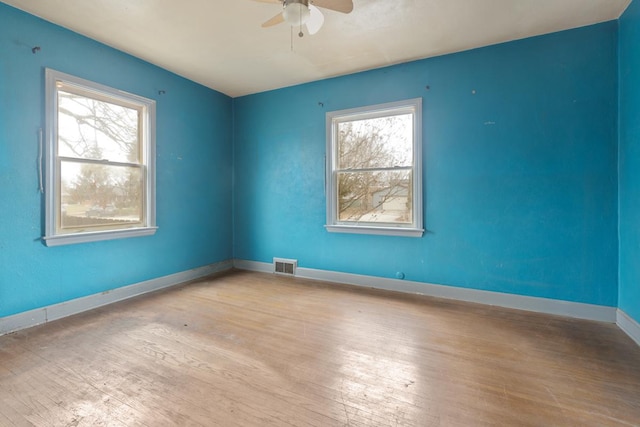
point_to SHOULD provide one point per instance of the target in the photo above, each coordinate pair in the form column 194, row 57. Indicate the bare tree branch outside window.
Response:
column 99, row 150
column 374, row 169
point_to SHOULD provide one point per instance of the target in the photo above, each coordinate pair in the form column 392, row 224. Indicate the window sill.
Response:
column 380, row 231
column 96, row 236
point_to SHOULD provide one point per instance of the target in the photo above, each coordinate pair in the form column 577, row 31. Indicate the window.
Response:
column 374, row 174
column 100, row 177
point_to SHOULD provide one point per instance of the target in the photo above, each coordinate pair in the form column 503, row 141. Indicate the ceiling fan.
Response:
column 305, row 12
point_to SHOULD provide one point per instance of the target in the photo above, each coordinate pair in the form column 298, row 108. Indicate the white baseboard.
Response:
column 38, row 316
column 262, row 267
column 629, row 326
column 541, row 305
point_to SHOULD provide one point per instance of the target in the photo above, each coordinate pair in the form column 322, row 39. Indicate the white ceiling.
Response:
column 220, row 43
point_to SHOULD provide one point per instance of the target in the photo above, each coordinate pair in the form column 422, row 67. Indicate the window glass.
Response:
column 377, row 142
column 93, row 129
column 380, row 197
column 96, row 195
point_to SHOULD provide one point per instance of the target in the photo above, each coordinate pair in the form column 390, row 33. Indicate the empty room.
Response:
column 320, row 213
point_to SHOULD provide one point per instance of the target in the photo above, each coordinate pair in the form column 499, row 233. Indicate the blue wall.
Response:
column 194, row 159
column 629, row 296
column 520, row 160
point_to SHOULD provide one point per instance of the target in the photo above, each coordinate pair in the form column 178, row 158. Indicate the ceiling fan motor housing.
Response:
column 296, row 12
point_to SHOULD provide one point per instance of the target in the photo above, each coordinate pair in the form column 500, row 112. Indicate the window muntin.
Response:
column 374, row 169
column 100, row 162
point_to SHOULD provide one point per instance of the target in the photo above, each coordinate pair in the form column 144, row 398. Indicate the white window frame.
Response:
column 333, row 118
column 54, row 236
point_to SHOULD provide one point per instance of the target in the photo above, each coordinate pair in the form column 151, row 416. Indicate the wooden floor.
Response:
column 250, row 349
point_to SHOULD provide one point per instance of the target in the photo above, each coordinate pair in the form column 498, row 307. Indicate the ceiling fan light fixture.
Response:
column 296, row 12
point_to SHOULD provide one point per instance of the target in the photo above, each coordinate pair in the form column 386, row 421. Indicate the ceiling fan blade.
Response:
column 344, row 6
column 279, row 18
column 316, row 19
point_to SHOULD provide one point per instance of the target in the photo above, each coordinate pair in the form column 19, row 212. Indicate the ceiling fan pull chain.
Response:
column 300, row 21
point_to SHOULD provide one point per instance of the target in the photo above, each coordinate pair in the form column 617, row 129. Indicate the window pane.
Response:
column 381, row 197
column 98, row 195
column 93, row 129
column 382, row 142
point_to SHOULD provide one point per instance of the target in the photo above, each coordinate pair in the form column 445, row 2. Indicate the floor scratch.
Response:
column 557, row 401
column 554, row 396
column 344, row 405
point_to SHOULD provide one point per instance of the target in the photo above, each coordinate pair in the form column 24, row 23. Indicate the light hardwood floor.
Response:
column 251, row 349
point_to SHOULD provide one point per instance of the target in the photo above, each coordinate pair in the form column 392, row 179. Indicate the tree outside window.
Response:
column 98, row 143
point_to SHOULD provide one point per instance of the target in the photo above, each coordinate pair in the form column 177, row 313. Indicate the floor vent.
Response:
column 285, row 266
